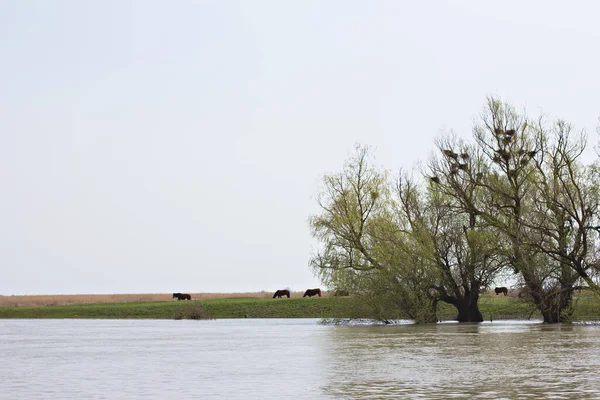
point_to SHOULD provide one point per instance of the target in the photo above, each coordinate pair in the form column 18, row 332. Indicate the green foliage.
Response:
column 404, row 249
column 518, row 198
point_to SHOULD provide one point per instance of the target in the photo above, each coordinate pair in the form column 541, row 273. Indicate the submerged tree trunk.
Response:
column 557, row 307
column 469, row 313
column 467, row 307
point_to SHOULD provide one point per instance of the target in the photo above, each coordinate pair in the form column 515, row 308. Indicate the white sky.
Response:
column 179, row 146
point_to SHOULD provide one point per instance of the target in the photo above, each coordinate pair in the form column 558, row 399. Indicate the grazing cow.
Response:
column 501, row 289
column 281, row 293
column 182, row 296
column 312, row 292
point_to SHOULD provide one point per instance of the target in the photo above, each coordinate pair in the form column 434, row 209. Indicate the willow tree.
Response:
column 531, row 192
column 363, row 248
column 464, row 254
column 565, row 218
column 406, row 249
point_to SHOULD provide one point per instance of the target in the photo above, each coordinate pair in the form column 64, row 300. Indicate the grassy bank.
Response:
column 68, row 299
column 587, row 307
column 325, row 307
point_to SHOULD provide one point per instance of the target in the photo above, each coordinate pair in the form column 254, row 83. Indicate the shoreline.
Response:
column 253, row 305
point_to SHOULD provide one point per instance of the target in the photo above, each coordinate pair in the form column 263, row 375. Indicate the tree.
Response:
column 518, row 198
column 364, row 250
column 465, row 252
column 564, row 225
column 405, row 249
column 532, row 193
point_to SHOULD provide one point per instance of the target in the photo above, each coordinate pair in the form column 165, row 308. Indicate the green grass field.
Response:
column 587, row 307
column 325, row 307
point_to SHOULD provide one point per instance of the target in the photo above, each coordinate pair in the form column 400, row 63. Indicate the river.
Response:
column 295, row 358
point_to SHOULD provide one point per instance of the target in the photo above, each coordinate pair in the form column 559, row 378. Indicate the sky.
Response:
column 155, row 147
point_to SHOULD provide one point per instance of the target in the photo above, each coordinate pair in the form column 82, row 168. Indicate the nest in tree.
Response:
column 451, row 154
column 504, row 154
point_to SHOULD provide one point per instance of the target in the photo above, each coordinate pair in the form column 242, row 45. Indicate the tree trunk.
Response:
column 554, row 304
column 557, row 308
column 467, row 307
column 468, row 312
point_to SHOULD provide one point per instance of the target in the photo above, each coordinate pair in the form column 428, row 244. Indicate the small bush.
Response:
column 194, row 310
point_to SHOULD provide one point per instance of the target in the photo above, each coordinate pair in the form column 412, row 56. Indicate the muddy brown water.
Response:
column 295, row 358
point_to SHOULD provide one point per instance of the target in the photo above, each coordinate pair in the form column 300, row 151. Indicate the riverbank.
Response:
column 242, row 307
column 70, row 299
column 587, row 307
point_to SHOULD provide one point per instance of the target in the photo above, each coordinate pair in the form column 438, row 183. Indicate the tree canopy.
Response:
column 516, row 199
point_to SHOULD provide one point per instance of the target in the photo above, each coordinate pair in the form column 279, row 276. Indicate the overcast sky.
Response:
column 161, row 146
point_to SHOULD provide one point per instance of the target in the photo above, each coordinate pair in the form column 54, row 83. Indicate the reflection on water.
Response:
column 255, row 359
column 507, row 359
